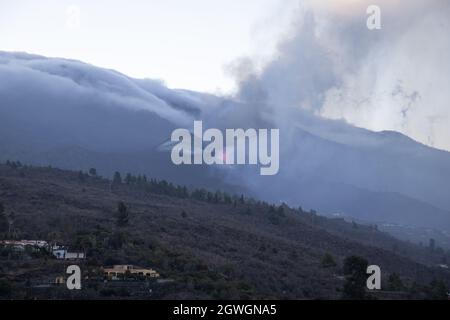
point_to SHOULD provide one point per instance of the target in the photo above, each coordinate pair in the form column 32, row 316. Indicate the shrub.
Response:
column 5, row 288
column 395, row 283
column 355, row 270
column 328, row 261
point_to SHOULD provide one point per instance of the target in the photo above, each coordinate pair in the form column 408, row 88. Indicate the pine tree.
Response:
column 81, row 176
column 128, row 178
column 185, row 192
column 226, row 198
column 3, row 219
column 217, row 197
column 328, row 261
column 438, row 290
column 122, row 215
column 355, row 270
column 395, row 283
column 5, row 288
column 117, row 178
column 432, row 244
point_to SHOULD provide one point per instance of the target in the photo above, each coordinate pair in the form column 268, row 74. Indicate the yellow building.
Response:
column 124, row 271
column 60, row 280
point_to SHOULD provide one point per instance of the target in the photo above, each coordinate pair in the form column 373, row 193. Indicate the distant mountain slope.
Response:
column 74, row 115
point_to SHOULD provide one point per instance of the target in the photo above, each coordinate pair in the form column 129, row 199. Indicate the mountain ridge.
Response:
column 43, row 112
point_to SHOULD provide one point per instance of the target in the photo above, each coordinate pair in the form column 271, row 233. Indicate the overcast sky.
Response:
column 316, row 55
column 188, row 44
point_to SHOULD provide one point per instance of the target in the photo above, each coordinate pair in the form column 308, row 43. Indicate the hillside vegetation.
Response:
column 205, row 244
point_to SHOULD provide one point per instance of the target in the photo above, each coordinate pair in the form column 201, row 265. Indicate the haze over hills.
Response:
column 75, row 116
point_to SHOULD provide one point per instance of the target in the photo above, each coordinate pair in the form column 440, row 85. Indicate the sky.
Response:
column 188, row 44
column 316, row 55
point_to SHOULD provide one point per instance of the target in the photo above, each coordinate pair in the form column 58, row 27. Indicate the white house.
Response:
column 22, row 244
column 74, row 255
column 62, row 253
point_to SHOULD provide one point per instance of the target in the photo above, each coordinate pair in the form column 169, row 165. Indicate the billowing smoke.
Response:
column 331, row 64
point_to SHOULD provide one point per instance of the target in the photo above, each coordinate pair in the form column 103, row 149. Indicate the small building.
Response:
column 60, row 280
column 128, row 271
column 36, row 243
column 74, row 255
column 20, row 245
column 62, row 253
column 59, row 253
